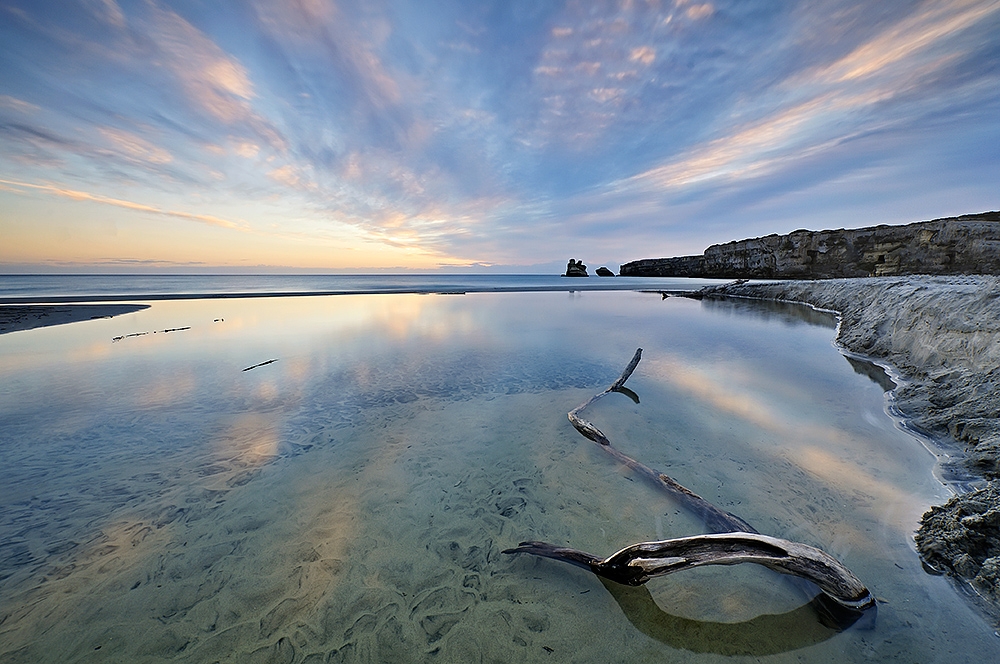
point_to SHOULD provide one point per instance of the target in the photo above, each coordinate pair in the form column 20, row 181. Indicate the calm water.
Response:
column 349, row 501
column 97, row 287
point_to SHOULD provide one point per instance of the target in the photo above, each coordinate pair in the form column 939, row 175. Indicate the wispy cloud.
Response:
column 75, row 195
column 839, row 100
column 133, row 147
column 19, row 105
column 213, row 81
column 909, row 40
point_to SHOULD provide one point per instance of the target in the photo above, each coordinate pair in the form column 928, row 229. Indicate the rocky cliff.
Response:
column 969, row 244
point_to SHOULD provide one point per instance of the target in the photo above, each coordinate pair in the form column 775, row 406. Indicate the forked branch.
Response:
column 716, row 520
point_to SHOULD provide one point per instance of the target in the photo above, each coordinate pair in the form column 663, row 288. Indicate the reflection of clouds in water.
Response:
column 95, row 351
column 251, row 439
column 707, row 387
column 161, row 391
column 419, row 317
column 267, row 390
column 846, row 464
column 863, row 485
column 189, row 579
column 350, row 318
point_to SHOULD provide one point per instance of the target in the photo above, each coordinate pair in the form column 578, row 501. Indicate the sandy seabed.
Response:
column 372, row 530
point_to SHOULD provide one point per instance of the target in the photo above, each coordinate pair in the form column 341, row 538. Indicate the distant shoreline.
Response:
column 18, row 318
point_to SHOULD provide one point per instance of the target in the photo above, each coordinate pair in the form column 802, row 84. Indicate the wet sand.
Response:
column 14, row 318
column 942, row 334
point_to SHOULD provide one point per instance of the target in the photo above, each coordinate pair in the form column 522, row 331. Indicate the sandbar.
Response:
column 14, row 318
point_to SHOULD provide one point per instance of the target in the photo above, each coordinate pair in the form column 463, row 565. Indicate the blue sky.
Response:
column 380, row 135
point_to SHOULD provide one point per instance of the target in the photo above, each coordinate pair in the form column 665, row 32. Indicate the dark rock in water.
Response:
column 962, row 538
column 604, row 272
column 576, row 268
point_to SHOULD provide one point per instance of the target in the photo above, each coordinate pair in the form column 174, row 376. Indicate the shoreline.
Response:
column 20, row 317
column 941, row 335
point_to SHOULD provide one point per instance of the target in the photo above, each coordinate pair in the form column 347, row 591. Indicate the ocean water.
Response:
column 103, row 287
column 333, row 479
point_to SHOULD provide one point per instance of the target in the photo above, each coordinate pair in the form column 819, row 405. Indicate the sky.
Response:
column 459, row 135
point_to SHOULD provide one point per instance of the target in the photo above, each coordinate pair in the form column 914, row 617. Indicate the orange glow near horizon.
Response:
column 48, row 225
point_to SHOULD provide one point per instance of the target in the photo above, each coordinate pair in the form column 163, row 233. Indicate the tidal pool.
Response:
column 161, row 500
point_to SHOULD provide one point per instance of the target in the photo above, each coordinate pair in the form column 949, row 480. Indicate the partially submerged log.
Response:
column 638, row 563
column 844, row 598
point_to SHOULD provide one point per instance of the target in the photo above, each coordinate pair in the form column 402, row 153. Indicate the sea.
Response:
column 110, row 287
column 335, row 476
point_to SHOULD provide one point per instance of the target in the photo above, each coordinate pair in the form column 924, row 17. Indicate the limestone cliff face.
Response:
column 969, row 244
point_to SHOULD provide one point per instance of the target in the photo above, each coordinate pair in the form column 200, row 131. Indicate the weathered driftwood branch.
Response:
column 716, row 520
column 636, row 564
column 734, row 541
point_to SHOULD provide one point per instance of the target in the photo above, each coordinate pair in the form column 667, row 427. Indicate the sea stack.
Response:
column 576, row 268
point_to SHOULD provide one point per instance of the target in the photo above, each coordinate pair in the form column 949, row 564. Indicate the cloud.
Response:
column 644, row 54
column 286, row 175
column 133, row 147
column 19, row 105
column 905, row 41
column 110, row 12
column 842, row 99
column 246, row 149
column 74, row 195
column 215, row 82
column 320, row 31
column 698, row 12
column 634, row 49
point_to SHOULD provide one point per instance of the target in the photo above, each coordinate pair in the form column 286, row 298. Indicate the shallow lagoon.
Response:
column 349, row 501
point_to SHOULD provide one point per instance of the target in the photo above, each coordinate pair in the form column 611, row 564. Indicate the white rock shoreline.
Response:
column 942, row 334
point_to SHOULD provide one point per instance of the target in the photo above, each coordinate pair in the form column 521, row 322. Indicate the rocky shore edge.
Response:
column 942, row 334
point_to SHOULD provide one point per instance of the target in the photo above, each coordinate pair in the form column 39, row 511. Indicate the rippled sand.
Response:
column 349, row 502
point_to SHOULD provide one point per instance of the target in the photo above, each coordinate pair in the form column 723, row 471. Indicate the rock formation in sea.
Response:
column 576, row 268
column 969, row 244
column 604, row 272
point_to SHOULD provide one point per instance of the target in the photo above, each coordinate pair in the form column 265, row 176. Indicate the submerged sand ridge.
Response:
column 943, row 335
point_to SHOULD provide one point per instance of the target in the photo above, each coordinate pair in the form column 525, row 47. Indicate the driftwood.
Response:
column 261, row 364
column 716, row 520
column 637, row 564
column 844, row 597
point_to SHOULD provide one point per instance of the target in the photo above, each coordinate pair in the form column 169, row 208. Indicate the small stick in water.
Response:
column 261, row 364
